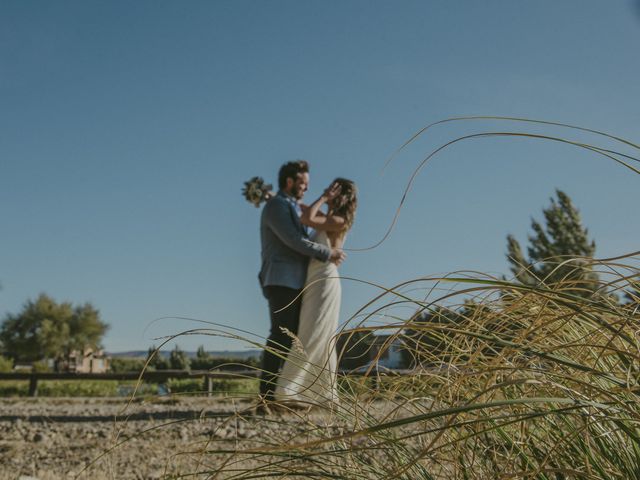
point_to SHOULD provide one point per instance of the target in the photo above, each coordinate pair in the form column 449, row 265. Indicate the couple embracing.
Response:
column 301, row 252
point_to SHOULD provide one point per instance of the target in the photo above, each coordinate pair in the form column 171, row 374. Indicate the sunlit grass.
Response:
column 538, row 383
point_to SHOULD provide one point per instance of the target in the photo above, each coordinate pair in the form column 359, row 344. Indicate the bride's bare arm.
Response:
column 337, row 242
column 312, row 216
column 305, row 207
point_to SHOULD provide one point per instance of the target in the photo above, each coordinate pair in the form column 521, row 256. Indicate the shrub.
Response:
column 41, row 366
column 210, row 363
column 124, row 364
column 14, row 388
column 178, row 359
column 6, row 364
column 78, row 388
column 219, row 386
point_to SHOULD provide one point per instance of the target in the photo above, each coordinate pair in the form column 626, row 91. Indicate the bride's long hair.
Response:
column 345, row 204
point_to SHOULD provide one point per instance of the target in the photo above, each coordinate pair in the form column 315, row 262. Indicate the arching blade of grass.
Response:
column 423, row 130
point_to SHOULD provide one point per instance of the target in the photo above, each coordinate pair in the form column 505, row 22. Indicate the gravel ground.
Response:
column 52, row 438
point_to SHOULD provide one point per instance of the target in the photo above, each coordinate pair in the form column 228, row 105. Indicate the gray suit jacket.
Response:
column 286, row 249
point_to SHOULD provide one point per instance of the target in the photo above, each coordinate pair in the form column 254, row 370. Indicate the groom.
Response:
column 286, row 250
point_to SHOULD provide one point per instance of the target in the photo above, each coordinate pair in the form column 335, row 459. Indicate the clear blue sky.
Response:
column 128, row 128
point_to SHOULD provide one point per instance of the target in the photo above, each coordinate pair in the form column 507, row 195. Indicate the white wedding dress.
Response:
column 308, row 376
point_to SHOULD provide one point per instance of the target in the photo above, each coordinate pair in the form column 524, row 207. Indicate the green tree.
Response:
column 124, row 364
column 202, row 361
column 205, row 361
column 178, row 359
column 45, row 329
column 553, row 249
column 157, row 362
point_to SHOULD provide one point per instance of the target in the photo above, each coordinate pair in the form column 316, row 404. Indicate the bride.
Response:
column 309, row 372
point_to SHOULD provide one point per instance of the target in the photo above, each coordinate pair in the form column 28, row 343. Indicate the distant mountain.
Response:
column 237, row 354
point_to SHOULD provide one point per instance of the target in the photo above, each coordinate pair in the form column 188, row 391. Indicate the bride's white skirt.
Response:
column 309, row 373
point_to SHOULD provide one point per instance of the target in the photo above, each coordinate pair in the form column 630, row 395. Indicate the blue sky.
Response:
column 128, row 128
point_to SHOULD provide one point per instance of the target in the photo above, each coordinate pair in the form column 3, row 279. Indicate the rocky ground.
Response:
column 52, row 438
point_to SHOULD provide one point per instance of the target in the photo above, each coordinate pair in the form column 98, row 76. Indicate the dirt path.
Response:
column 50, row 438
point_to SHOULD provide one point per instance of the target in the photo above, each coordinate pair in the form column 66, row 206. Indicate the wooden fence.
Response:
column 161, row 376
column 150, row 376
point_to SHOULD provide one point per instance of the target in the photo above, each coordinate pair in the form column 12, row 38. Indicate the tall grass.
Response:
column 509, row 381
column 527, row 382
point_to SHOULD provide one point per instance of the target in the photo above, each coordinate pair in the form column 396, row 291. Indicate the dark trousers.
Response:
column 278, row 343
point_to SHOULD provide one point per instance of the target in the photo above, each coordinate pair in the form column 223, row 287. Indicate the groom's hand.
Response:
column 337, row 256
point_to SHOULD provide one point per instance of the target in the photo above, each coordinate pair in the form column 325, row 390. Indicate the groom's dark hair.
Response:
column 291, row 170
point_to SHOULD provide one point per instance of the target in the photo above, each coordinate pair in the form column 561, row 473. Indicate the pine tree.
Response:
column 553, row 249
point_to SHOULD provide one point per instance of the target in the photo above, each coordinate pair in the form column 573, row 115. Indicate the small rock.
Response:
column 39, row 437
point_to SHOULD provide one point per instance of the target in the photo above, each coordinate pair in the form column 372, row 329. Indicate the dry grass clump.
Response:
column 521, row 382
column 508, row 380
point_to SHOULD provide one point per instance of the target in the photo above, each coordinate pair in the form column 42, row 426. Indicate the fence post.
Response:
column 33, row 386
column 208, row 385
